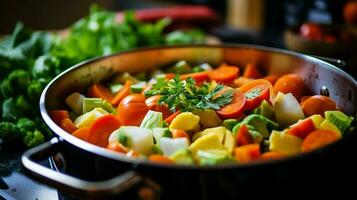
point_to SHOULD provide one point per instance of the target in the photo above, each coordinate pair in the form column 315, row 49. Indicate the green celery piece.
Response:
column 182, row 157
column 265, row 109
column 115, row 87
column 123, row 139
column 152, row 119
column 211, row 158
column 158, row 133
column 180, row 67
column 138, row 87
column 91, row 103
column 156, row 149
column 108, row 107
column 230, row 123
column 339, row 119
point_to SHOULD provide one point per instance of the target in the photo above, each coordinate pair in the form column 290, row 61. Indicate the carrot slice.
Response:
column 271, row 78
column 68, row 125
column 82, row 133
column 243, row 136
column 117, row 147
column 247, row 153
column 177, row 133
column 238, row 82
column 303, row 128
column 256, row 91
column 197, row 76
column 251, row 72
column 171, row 117
column 235, row 109
column 224, row 73
column 272, row 155
column 99, row 91
column 101, row 129
column 122, row 93
column 58, row 115
column 319, row 138
column 160, row 159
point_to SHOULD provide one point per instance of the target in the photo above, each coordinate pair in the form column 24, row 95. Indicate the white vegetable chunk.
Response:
column 287, row 109
column 170, row 145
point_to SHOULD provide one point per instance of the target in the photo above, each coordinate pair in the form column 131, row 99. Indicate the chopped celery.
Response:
column 214, row 157
column 161, row 132
column 180, row 67
column 265, row 109
column 260, row 123
column 197, row 69
column 156, row 149
column 123, row 77
column 136, row 138
column 182, row 157
column 152, row 119
column 108, row 107
column 115, row 87
column 138, row 87
column 74, row 101
column 339, row 119
column 91, row 103
column 230, row 123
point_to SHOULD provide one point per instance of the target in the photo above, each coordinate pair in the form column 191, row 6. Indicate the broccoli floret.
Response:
column 46, row 66
column 35, row 89
column 26, row 124
column 33, row 138
column 15, row 83
column 9, row 132
column 14, row 108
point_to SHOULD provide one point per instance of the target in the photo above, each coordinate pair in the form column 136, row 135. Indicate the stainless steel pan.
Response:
column 319, row 76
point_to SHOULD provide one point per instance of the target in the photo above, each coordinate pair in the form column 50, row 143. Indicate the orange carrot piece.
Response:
column 82, row 133
column 172, row 116
column 157, row 158
column 271, row 78
column 247, row 153
column 197, row 76
column 133, row 154
column 177, row 133
column 58, row 115
column 99, row 91
column 121, row 94
column 242, row 81
column 224, row 73
column 303, row 128
column 251, row 72
column 243, row 136
column 101, row 129
column 271, row 155
column 68, row 125
column 117, row 147
column 319, row 138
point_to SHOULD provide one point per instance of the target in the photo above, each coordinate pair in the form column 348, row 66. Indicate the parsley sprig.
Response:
column 186, row 96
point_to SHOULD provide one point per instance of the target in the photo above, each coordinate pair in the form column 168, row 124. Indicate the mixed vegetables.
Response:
column 203, row 115
column 30, row 59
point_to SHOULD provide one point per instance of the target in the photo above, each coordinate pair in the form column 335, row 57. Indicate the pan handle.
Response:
column 337, row 62
column 118, row 185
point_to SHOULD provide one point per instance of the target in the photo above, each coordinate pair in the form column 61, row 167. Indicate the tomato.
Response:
column 255, row 92
column 132, row 110
column 290, row 83
column 235, row 109
column 350, row 12
column 312, row 31
column 153, row 104
column 317, row 104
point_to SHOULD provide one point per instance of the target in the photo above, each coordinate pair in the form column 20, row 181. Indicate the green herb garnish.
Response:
column 186, row 96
